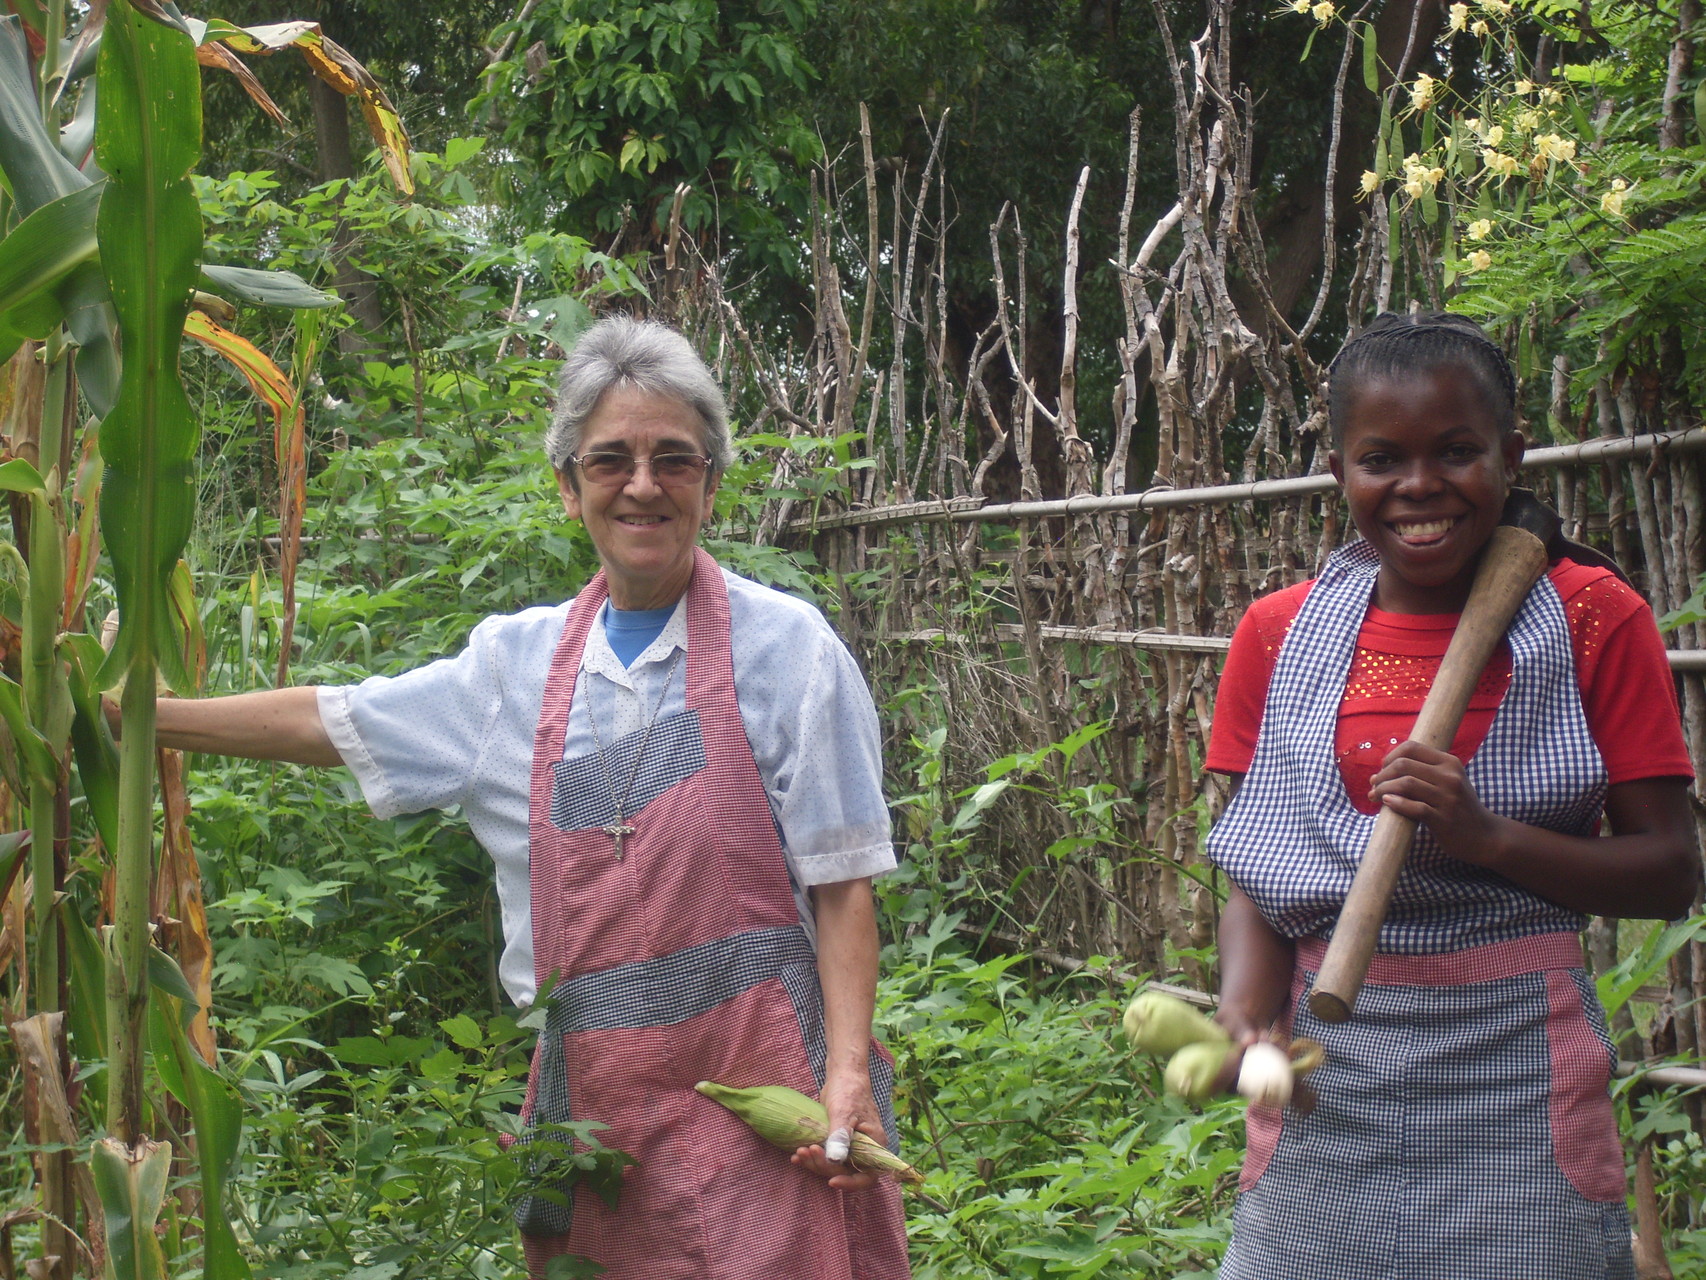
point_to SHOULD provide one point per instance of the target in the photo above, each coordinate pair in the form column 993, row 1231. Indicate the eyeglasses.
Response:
column 618, row 468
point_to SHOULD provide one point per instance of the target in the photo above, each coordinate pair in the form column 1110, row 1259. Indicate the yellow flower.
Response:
column 1323, row 12
column 1551, row 97
column 1480, row 28
column 1414, row 188
column 1528, row 121
column 1480, row 260
column 1494, row 136
column 1423, row 92
column 1500, row 7
column 1525, row 87
column 1552, row 147
column 1459, row 16
column 1370, row 183
column 1481, row 228
column 1498, row 162
column 1611, row 203
column 1300, row 6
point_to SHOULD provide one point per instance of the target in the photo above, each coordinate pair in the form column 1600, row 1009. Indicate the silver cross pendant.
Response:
column 616, row 831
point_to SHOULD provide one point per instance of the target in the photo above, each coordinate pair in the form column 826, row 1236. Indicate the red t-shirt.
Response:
column 1627, row 689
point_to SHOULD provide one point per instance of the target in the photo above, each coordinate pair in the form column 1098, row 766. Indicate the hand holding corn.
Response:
column 788, row 1120
column 1197, row 1049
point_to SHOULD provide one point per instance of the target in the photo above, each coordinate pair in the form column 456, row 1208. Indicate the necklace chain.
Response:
column 619, row 827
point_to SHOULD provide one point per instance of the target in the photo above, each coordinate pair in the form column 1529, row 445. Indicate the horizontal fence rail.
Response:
column 972, row 509
column 1158, row 642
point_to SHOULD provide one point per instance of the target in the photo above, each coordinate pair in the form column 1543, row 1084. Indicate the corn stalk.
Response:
column 147, row 138
column 62, row 305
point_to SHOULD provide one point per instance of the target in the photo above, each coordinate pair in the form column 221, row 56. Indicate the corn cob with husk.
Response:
column 1197, row 1046
column 788, row 1120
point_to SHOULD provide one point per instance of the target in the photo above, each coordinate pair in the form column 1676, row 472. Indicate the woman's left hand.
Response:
column 848, row 1099
column 1432, row 788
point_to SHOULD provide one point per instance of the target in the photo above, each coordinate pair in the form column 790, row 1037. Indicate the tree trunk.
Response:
column 359, row 290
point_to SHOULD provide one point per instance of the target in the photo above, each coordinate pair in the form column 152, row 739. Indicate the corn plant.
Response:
column 100, row 127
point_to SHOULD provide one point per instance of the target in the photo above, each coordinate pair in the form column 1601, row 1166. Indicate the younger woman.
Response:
column 1463, row 1127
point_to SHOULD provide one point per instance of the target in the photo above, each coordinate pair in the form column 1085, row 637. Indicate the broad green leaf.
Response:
column 131, row 1184
column 463, row 1031
column 38, row 258
column 147, row 139
column 38, row 173
column 18, row 476
column 269, row 288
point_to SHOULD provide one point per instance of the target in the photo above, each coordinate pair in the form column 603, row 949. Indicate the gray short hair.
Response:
column 647, row 356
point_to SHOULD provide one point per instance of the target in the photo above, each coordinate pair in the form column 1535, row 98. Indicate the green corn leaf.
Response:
column 38, row 173
column 38, row 757
column 18, row 476
column 86, row 1010
column 91, row 739
column 34, row 12
column 269, row 288
column 214, row 1107
column 13, row 846
column 147, row 139
column 131, row 1183
column 46, row 247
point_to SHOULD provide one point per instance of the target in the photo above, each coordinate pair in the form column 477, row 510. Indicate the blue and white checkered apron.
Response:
column 1463, row 1129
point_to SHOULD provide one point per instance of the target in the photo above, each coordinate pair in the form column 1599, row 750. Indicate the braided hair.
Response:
column 1396, row 345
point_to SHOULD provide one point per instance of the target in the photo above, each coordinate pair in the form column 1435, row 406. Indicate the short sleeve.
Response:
column 1628, row 691
column 413, row 741
column 828, row 788
column 1244, row 680
column 814, row 735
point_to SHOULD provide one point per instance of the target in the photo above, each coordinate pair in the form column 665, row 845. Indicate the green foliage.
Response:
column 638, row 98
column 378, row 1155
column 152, row 229
column 1544, row 192
column 1049, row 1148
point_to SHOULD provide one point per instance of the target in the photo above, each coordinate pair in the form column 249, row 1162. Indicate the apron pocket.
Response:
column 1262, row 1126
column 1584, row 1130
column 547, row 1208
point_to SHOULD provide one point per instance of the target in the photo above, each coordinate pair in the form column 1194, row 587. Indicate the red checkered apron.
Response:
column 683, row 961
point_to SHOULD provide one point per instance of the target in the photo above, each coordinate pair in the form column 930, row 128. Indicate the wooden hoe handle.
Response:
column 1510, row 566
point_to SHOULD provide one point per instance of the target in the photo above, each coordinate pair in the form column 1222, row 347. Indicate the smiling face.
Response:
column 644, row 531
column 1425, row 472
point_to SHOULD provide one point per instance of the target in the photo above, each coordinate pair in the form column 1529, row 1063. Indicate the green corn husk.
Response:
column 1192, row 1071
column 1161, row 1024
column 787, row 1120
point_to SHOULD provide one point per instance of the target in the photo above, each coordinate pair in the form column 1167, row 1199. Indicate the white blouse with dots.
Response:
column 459, row 732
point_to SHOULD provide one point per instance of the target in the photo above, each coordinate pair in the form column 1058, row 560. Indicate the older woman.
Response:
column 677, row 776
